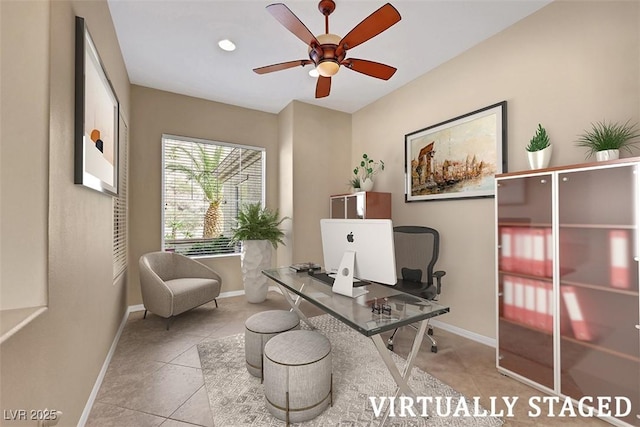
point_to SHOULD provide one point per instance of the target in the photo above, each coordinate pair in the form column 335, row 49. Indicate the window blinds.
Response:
column 204, row 185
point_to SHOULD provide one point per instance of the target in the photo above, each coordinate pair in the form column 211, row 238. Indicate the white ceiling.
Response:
column 172, row 45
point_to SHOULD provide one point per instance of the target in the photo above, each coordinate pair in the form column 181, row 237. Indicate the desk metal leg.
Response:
column 295, row 305
column 401, row 379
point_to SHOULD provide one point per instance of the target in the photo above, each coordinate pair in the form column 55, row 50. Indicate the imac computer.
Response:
column 358, row 249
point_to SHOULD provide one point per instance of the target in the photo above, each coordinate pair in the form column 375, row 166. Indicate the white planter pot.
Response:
column 255, row 257
column 540, row 159
column 366, row 184
column 605, row 155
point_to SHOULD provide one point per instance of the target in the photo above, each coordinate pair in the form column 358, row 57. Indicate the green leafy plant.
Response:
column 354, row 182
column 609, row 136
column 367, row 168
column 258, row 223
column 540, row 140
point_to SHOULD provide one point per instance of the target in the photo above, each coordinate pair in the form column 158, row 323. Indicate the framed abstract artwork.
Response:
column 458, row 158
column 96, row 118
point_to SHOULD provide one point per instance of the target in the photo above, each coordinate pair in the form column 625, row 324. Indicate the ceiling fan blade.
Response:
column 371, row 26
column 370, row 68
column 323, row 87
column 282, row 66
column 291, row 22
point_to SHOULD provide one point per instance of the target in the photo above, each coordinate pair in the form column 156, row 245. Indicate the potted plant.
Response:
column 539, row 149
column 354, row 183
column 259, row 232
column 607, row 139
column 366, row 170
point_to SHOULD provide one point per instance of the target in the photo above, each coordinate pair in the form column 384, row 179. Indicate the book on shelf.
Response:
column 527, row 250
column 579, row 325
column 304, row 266
column 548, row 264
column 544, row 305
column 522, row 251
column 506, row 248
column 530, row 311
column 538, row 253
column 619, row 251
column 508, row 307
column 528, row 301
column 518, row 300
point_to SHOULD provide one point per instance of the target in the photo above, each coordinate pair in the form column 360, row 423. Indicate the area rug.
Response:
column 237, row 399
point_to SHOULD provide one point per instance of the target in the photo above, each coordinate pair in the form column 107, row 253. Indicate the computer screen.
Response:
column 371, row 241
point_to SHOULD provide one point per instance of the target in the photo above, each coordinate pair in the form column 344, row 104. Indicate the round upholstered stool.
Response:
column 259, row 329
column 297, row 375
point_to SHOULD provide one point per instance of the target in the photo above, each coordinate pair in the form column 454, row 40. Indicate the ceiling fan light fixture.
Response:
column 227, row 45
column 314, row 73
column 328, row 68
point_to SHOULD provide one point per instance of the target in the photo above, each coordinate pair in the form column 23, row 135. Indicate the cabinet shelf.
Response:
column 608, row 289
column 528, row 224
column 565, row 225
column 524, row 326
column 525, row 276
column 600, row 348
column 599, row 226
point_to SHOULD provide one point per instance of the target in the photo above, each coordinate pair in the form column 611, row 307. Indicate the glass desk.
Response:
column 356, row 312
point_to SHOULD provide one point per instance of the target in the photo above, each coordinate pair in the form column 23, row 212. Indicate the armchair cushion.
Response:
column 189, row 292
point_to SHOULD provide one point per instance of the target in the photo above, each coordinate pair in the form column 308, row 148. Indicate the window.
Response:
column 204, row 185
column 120, row 243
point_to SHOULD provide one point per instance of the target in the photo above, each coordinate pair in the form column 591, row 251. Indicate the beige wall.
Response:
column 54, row 361
column 570, row 64
column 321, row 167
column 156, row 112
column 25, row 134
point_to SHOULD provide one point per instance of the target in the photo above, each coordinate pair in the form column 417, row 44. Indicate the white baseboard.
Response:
column 138, row 307
column 96, row 387
column 491, row 342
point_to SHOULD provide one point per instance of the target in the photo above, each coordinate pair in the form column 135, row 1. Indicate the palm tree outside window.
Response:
column 204, row 184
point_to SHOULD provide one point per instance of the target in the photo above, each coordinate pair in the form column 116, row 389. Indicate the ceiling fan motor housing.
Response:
column 326, row 53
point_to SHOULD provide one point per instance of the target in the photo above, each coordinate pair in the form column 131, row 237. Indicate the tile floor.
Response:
column 155, row 377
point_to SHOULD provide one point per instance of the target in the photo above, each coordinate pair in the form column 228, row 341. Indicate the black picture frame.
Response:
column 458, row 158
column 96, row 118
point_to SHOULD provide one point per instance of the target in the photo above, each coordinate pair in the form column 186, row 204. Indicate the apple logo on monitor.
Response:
column 350, row 237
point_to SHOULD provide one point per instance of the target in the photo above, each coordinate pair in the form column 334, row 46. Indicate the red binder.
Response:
column 506, row 248
column 522, row 250
column 508, row 307
column 580, row 328
column 530, row 313
column 548, row 265
column 542, row 305
column 518, row 300
column 550, row 306
column 619, row 250
column 538, row 251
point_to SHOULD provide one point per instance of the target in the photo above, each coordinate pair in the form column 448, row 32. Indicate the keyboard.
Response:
column 328, row 280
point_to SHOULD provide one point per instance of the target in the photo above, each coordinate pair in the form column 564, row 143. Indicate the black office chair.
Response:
column 417, row 249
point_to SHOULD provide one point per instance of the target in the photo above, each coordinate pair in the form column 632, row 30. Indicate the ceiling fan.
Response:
column 327, row 51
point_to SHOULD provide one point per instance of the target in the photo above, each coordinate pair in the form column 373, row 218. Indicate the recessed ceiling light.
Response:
column 227, row 45
column 314, row 73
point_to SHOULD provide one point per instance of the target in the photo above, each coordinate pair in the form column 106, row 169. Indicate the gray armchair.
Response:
column 172, row 284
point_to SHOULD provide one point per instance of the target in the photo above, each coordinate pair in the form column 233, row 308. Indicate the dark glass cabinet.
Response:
column 567, row 280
